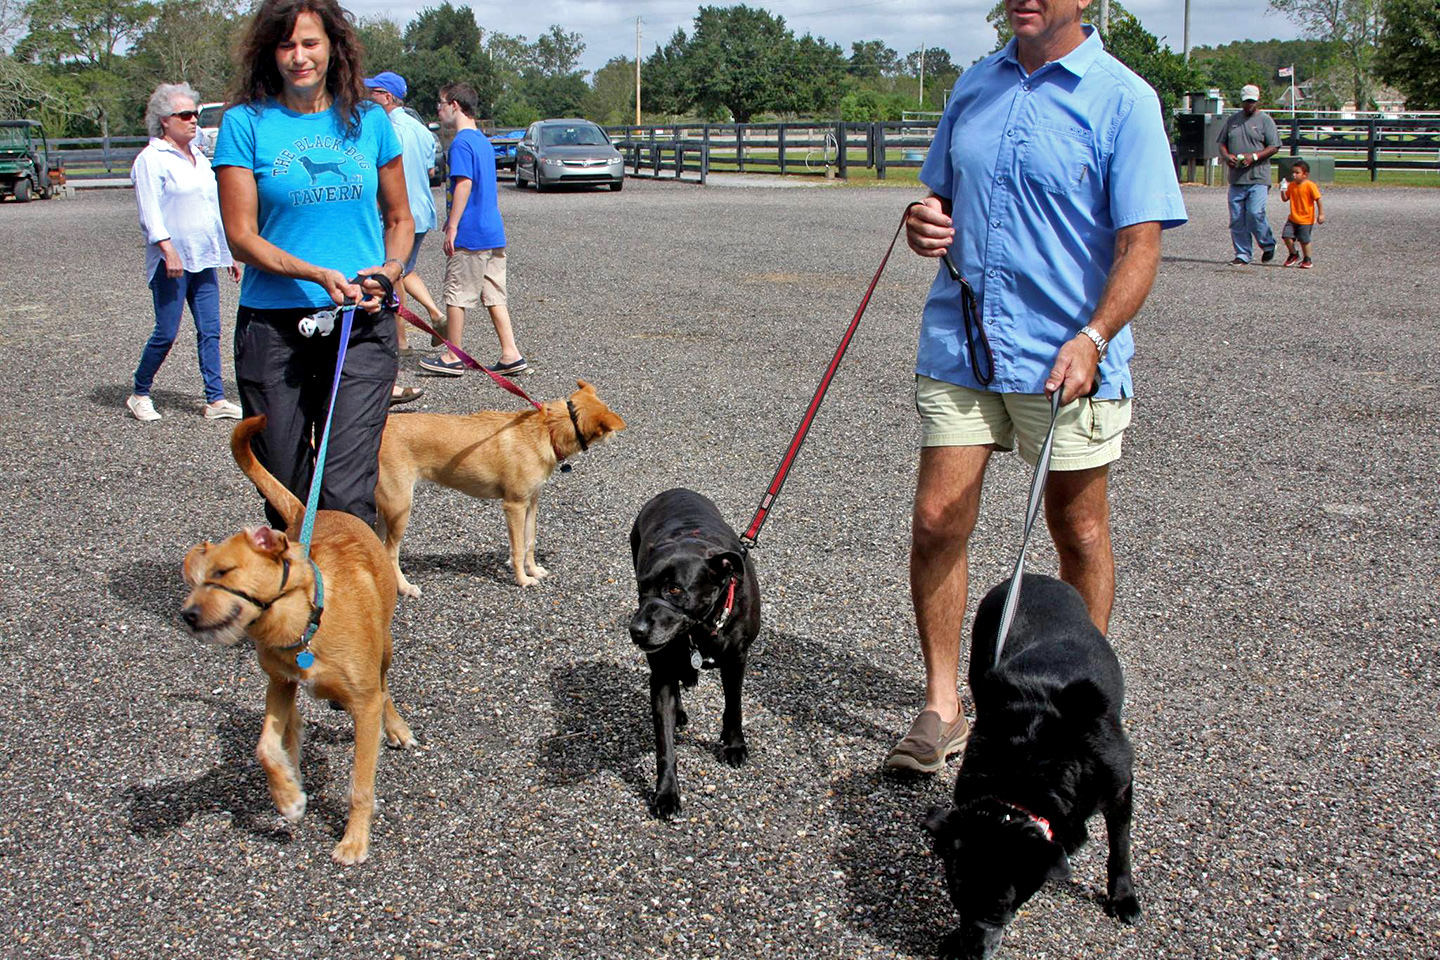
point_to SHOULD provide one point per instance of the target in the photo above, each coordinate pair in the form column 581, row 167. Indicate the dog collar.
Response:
column 305, row 659
column 575, row 422
column 1040, row 821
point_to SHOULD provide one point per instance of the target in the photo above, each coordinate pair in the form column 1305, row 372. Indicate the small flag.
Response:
column 1286, row 71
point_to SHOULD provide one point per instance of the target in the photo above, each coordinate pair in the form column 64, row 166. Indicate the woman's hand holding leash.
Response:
column 339, row 288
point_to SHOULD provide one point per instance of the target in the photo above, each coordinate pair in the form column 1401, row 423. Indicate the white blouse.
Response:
column 180, row 202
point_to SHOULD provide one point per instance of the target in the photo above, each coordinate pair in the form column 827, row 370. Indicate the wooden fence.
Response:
column 681, row 150
column 780, row 148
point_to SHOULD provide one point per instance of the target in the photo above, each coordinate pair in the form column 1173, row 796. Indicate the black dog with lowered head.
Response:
column 1047, row 752
column 699, row 607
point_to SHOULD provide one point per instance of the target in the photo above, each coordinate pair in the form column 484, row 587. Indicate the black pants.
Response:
column 287, row 377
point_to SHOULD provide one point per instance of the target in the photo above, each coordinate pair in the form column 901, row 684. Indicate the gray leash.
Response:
column 1037, row 490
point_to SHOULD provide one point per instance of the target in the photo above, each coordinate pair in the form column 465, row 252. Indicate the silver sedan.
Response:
column 555, row 152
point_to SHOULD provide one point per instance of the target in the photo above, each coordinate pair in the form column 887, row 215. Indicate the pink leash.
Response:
column 466, row 359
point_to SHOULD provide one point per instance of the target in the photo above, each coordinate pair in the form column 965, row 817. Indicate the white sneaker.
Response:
column 142, row 408
column 222, row 409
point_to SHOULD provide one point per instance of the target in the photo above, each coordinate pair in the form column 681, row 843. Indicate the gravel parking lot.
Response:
column 1276, row 526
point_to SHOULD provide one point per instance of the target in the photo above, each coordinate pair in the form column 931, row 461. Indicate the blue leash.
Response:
column 305, row 659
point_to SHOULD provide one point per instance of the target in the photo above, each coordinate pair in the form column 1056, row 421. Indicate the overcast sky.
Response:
column 608, row 26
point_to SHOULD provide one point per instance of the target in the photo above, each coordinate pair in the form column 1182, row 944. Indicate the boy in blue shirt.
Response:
column 474, row 236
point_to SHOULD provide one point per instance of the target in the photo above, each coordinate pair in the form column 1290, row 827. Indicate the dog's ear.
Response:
column 193, row 569
column 267, row 541
column 1057, row 864
column 1081, row 700
column 727, row 563
column 584, row 386
column 610, row 422
column 937, row 818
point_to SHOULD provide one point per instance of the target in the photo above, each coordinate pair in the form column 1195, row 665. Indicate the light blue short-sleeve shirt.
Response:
column 317, row 185
column 1042, row 169
column 417, row 147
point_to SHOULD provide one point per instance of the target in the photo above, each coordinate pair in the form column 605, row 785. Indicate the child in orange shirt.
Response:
column 1305, row 211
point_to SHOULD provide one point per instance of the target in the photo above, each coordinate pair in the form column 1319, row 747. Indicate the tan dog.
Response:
column 258, row 584
column 493, row 454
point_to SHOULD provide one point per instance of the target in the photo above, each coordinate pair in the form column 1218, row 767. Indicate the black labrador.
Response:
column 699, row 608
column 1047, row 752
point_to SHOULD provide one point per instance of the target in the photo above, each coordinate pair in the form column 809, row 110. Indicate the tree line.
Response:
column 86, row 67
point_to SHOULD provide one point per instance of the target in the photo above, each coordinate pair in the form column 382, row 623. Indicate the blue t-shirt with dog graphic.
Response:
column 317, row 190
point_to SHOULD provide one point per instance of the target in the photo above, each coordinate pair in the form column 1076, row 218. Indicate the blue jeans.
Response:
column 201, row 290
column 1247, row 216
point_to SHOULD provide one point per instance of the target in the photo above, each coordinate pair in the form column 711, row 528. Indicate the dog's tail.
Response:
column 273, row 490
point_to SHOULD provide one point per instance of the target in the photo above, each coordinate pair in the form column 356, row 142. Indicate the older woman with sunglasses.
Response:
column 185, row 245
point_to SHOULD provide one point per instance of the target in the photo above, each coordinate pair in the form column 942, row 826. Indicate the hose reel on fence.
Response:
column 828, row 154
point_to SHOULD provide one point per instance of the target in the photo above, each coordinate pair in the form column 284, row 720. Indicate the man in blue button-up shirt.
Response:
column 1051, row 180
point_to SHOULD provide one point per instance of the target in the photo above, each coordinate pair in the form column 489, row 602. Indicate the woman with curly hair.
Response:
column 180, row 216
column 302, row 157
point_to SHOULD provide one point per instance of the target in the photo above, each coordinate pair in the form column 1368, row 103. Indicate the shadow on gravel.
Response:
column 237, row 784
column 155, row 587
column 897, row 888
column 112, row 396
column 491, row 564
column 603, row 712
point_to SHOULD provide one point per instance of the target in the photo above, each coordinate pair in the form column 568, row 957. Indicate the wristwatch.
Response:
column 1100, row 342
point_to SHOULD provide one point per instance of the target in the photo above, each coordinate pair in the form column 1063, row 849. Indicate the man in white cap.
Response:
column 1247, row 142
column 417, row 151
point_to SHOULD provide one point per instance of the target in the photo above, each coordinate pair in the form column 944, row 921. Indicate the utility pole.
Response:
column 1187, row 33
column 1105, row 17
column 637, row 71
column 922, row 76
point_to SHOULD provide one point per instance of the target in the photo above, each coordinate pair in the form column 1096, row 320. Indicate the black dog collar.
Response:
column 575, row 422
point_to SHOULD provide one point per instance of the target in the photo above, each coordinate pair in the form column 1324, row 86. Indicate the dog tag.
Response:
column 304, row 659
column 696, row 659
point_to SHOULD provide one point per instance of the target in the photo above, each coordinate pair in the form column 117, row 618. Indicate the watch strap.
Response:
column 1101, row 344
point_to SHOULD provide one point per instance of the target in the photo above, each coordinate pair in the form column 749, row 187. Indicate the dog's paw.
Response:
column 682, row 719
column 736, row 754
column 1125, row 909
column 294, row 811
column 351, row 852
column 408, row 589
column 538, row 571
column 400, row 740
column 666, row 805
column 525, row 580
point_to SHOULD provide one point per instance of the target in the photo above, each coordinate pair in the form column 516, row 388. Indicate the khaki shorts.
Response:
column 474, row 278
column 1087, row 434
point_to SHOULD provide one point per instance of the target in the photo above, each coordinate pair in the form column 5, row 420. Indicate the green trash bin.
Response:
column 1322, row 169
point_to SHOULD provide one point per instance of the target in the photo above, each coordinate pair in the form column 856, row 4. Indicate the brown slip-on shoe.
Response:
column 929, row 743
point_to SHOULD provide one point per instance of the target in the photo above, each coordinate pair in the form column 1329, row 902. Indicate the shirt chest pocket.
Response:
column 1060, row 159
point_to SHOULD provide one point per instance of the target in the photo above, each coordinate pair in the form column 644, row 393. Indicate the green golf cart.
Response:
column 28, row 167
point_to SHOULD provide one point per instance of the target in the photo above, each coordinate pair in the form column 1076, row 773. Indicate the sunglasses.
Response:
column 186, row 114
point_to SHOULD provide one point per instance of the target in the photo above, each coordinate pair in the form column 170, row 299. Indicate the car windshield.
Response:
column 12, row 138
column 210, row 116
column 588, row 135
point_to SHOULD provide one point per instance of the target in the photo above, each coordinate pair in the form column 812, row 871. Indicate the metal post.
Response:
column 1105, row 17
column 637, row 71
column 1187, row 33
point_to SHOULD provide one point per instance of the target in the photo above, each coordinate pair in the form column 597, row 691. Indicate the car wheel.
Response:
column 22, row 190
column 519, row 183
column 540, row 184
column 617, row 185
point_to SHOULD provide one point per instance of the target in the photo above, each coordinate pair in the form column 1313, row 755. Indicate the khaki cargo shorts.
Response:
column 475, row 278
column 1088, row 432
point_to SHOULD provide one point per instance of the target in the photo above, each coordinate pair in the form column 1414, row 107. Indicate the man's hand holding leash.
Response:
column 928, row 229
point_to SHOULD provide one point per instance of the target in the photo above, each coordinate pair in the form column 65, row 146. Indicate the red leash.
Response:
column 468, row 360
column 768, row 501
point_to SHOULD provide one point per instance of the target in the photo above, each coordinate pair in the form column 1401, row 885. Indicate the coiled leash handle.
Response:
column 970, row 310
